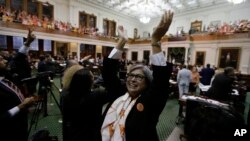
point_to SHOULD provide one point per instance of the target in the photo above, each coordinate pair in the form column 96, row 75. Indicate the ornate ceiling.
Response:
column 154, row 8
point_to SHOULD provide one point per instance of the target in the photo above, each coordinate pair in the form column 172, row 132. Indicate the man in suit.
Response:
column 19, row 66
column 13, row 105
column 206, row 75
column 222, row 85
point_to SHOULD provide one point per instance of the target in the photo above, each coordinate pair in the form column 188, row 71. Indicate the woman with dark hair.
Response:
column 81, row 105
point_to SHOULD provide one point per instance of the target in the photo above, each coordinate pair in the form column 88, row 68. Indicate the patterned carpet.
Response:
column 167, row 119
column 53, row 121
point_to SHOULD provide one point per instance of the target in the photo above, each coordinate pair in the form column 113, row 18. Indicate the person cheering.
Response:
column 134, row 115
column 13, row 105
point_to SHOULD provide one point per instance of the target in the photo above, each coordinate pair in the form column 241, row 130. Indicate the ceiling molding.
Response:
column 95, row 4
column 129, row 13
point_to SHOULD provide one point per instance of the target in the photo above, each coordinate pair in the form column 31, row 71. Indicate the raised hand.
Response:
column 30, row 38
column 121, row 32
column 162, row 27
column 86, row 58
column 123, row 38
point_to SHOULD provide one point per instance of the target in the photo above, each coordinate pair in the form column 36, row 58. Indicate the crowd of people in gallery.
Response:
column 22, row 17
column 123, row 109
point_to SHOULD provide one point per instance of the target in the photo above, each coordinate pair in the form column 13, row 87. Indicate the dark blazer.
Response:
column 82, row 116
column 20, row 69
column 11, row 128
column 142, row 120
column 206, row 75
column 20, row 65
column 221, row 88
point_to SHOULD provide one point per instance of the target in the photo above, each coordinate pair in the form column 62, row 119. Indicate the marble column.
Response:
column 186, row 55
column 216, row 57
column 78, row 52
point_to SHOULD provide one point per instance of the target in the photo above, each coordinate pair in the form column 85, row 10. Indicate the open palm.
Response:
column 163, row 26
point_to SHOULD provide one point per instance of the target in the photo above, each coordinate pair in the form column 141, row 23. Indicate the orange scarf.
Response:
column 113, row 127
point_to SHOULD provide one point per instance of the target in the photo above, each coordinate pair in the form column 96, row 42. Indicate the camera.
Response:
column 29, row 85
column 44, row 78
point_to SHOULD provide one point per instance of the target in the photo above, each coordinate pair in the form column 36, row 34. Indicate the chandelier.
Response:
column 144, row 19
column 236, row 1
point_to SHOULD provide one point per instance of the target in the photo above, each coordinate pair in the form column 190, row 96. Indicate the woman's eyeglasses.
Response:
column 137, row 77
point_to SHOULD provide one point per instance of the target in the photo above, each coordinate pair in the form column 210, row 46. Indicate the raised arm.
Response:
column 122, row 38
column 160, row 31
column 30, row 38
column 20, row 67
column 116, row 53
column 110, row 69
column 161, row 70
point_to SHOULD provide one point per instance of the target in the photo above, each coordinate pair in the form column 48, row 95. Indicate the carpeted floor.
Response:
column 53, row 121
column 167, row 119
column 165, row 126
column 176, row 133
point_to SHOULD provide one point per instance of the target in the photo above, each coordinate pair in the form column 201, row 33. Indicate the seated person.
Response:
column 222, row 85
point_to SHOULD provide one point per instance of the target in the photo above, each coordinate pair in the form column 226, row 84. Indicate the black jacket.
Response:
column 221, row 88
column 82, row 116
column 141, row 125
column 16, row 127
column 20, row 66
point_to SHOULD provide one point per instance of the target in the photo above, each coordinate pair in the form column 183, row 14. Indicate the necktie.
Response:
column 13, row 88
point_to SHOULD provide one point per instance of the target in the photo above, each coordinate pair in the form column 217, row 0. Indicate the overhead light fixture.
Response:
column 191, row 2
column 143, row 10
column 173, row 1
column 179, row 6
column 144, row 19
column 236, row 1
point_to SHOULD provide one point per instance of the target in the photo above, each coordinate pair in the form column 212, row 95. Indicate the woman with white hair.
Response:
column 134, row 115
